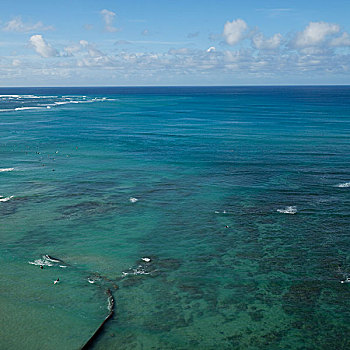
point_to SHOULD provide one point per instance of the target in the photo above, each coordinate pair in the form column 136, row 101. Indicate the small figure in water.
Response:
column 41, row 266
column 56, row 281
column 226, row 226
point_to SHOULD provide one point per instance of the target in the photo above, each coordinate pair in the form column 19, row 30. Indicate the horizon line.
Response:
column 169, row 86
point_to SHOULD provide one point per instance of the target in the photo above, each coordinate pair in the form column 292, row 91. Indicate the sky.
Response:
column 174, row 42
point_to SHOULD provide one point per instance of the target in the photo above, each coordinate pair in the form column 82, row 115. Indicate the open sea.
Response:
column 218, row 217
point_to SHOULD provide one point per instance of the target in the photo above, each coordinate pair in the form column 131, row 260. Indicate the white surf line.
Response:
column 6, row 169
column 5, row 199
column 288, row 210
column 343, row 185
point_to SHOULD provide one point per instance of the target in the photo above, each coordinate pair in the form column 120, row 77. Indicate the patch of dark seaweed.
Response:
column 256, row 315
column 301, row 298
column 93, row 187
column 251, row 255
column 169, row 264
column 166, row 320
column 275, row 287
column 125, row 340
column 241, row 306
column 313, row 329
column 8, row 210
column 268, row 340
column 205, row 258
column 227, row 310
column 86, row 209
column 281, row 264
column 337, row 336
column 11, row 207
column 133, row 281
column 235, row 340
column 195, row 291
column 39, row 237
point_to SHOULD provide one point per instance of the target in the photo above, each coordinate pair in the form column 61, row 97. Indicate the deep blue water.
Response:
column 218, row 217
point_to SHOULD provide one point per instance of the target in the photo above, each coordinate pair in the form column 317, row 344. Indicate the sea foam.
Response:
column 47, row 260
column 343, row 185
column 288, row 210
column 33, row 102
column 5, row 199
column 139, row 270
column 6, row 169
column 25, row 108
column 41, row 262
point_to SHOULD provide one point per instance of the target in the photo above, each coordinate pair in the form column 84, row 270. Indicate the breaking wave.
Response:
column 5, row 199
column 47, row 260
column 10, row 103
column 139, row 270
column 25, row 108
column 343, row 185
column 288, row 210
column 6, row 169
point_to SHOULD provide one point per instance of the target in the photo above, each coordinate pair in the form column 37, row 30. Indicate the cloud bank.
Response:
column 318, row 49
column 17, row 25
column 261, row 43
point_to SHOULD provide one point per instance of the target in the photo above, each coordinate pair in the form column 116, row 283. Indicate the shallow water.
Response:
column 238, row 196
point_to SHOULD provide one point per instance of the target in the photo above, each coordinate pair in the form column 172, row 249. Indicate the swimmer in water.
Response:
column 56, row 281
column 41, row 266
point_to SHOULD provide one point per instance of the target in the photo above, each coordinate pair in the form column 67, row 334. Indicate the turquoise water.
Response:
column 238, row 196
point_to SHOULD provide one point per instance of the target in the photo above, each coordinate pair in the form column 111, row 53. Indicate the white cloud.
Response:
column 88, row 55
column 90, row 49
column 108, row 18
column 16, row 63
column 42, row 47
column 343, row 40
column 315, row 34
column 234, row 31
column 315, row 51
column 261, row 43
column 84, row 43
column 72, row 50
column 86, row 61
column 17, row 25
column 93, row 52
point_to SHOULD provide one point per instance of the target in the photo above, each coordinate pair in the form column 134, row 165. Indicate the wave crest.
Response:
column 343, row 185
column 5, row 199
column 47, row 260
column 6, row 169
column 288, row 210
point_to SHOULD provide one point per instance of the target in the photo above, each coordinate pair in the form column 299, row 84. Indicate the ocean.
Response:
column 218, row 217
